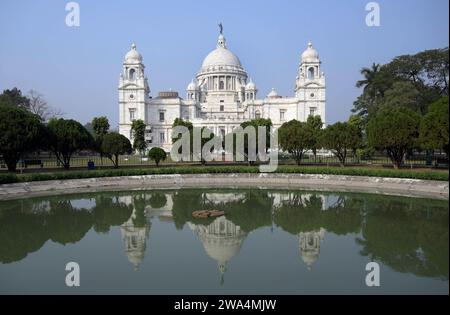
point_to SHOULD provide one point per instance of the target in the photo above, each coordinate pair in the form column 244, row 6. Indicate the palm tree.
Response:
column 369, row 76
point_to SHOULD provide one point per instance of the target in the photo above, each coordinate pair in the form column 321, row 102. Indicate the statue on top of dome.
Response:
column 220, row 28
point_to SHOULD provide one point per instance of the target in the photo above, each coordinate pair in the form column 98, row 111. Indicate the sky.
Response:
column 77, row 68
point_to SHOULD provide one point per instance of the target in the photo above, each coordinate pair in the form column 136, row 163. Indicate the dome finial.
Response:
column 309, row 44
column 221, row 39
column 133, row 46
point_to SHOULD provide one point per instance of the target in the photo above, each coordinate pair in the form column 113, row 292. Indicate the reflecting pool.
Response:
column 268, row 242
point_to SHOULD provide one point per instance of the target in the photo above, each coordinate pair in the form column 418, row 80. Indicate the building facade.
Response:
column 220, row 98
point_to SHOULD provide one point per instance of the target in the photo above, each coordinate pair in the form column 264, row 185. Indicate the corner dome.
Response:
column 250, row 86
column 133, row 56
column 310, row 54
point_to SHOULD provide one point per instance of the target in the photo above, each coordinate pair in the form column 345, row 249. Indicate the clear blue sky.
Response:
column 77, row 69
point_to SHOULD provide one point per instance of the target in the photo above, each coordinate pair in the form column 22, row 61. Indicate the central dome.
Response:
column 221, row 56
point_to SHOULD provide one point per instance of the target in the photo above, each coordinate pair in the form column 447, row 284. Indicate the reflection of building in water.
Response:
column 135, row 237
column 309, row 244
column 164, row 213
column 281, row 199
column 222, row 198
column 222, row 240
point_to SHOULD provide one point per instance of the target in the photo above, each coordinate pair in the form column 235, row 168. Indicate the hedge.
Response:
column 392, row 173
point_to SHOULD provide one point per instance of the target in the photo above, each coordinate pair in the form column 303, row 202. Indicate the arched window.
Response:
column 257, row 114
column 132, row 74
column 311, row 73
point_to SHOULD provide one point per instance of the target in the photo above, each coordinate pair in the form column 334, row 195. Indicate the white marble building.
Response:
column 221, row 97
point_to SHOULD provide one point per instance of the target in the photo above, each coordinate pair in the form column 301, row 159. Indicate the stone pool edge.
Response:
column 343, row 183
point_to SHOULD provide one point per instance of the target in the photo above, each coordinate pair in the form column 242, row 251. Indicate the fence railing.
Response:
column 50, row 162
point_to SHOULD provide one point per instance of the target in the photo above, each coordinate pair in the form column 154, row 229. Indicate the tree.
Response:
column 363, row 150
column 256, row 123
column 20, row 132
column 100, row 127
column 38, row 105
column 402, row 93
column 357, row 122
column 426, row 69
column 179, row 122
column 67, row 137
column 423, row 79
column 395, row 130
column 341, row 137
column 190, row 128
column 434, row 126
column 157, row 154
column 294, row 137
column 314, row 124
column 89, row 128
column 14, row 97
column 369, row 75
column 138, row 128
column 115, row 144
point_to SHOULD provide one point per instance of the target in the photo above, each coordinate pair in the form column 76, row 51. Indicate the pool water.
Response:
column 268, row 242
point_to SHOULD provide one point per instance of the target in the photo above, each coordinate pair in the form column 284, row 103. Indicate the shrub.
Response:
column 288, row 169
column 157, row 154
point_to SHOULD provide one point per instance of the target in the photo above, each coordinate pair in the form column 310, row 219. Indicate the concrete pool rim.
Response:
column 314, row 182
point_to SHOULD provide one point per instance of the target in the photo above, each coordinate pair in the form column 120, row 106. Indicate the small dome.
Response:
column 310, row 54
column 273, row 94
column 133, row 56
column 309, row 258
column 250, row 86
column 192, row 86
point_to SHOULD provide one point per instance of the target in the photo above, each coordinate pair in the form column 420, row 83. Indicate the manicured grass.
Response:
column 352, row 171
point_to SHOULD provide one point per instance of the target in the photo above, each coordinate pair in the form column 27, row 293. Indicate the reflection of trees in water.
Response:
column 20, row 232
column 25, row 230
column 157, row 200
column 67, row 224
column 308, row 215
column 139, row 219
column 108, row 212
column 305, row 212
column 408, row 234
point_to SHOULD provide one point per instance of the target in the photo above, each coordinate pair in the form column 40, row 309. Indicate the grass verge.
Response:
column 351, row 171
